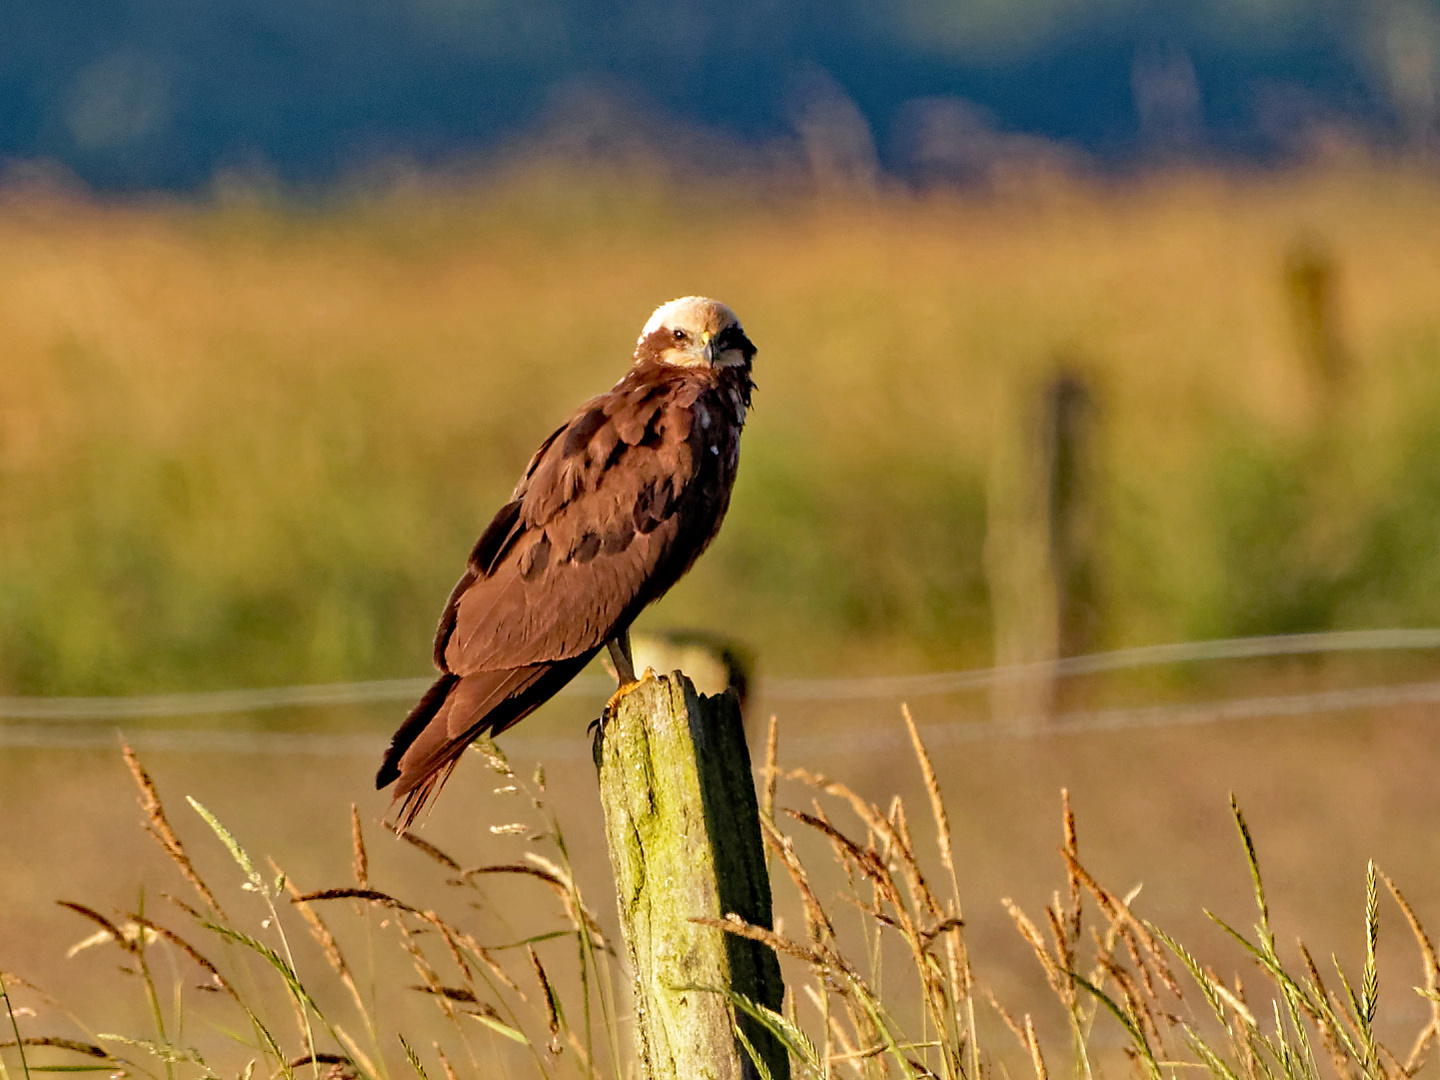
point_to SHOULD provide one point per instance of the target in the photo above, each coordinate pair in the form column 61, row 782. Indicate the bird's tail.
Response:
column 453, row 713
column 418, row 719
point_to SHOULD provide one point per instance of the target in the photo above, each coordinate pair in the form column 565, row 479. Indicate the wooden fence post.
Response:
column 684, row 833
column 1310, row 280
column 1039, row 547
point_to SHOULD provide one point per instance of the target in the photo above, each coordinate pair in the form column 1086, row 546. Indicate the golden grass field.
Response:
column 248, row 442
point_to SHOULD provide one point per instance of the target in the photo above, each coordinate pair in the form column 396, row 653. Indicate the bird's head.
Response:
column 695, row 332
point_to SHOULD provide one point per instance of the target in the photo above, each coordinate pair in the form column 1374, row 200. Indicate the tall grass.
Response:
column 268, row 432
column 878, row 969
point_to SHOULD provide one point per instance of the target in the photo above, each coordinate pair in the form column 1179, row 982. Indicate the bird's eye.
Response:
column 680, row 335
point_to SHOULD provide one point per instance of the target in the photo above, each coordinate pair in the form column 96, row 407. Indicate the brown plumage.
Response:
column 613, row 508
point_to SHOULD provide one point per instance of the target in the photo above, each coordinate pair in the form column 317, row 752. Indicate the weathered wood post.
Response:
column 684, row 832
column 1039, row 557
column 1311, row 282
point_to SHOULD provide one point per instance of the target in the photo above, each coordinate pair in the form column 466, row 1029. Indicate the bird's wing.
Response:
column 591, row 528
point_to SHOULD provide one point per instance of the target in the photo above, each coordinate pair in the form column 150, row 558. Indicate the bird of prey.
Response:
column 613, row 508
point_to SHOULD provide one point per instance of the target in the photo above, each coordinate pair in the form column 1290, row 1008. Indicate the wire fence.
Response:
column 869, row 740
column 81, row 722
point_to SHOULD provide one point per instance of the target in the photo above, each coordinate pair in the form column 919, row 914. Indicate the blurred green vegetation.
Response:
column 251, row 442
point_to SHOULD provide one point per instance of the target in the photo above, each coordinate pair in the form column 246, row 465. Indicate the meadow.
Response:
column 247, row 441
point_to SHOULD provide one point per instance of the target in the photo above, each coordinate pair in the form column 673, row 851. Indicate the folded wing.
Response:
column 604, row 519
column 579, row 549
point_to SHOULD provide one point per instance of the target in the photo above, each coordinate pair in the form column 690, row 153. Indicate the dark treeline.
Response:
column 130, row 94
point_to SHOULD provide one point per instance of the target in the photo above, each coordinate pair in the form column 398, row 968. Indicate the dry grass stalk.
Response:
column 325, row 939
column 771, row 771
column 873, row 867
column 454, row 938
column 932, row 789
column 452, row 946
column 486, row 958
column 559, row 882
column 1136, row 934
column 1432, row 978
column 1104, row 953
column 1135, row 1004
column 956, row 952
column 896, row 817
column 1056, row 975
column 1010, row 1022
column 450, row 1073
column 836, row 846
column 733, row 924
column 73, row 1045
column 580, row 916
column 1060, row 934
column 341, row 1068
column 373, row 896
column 1243, row 1040
column 125, row 941
column 916, row 914
column 834, row 1033
column 1235, row 999
column 158, row 826
column 1317, row 983
column 189, row 950
column 1036, row 1057
column 360, row 859
column 1072, row 850
column 877, row 823
column 426, row 970
column 878, row 872
column 817, row 923
column 547, row 995
column 428, row 848
column 320, row 932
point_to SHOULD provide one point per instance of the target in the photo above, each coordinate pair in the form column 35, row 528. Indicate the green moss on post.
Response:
column 684, row 833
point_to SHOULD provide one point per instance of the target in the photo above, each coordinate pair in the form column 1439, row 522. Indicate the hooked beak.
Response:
column 708, row 345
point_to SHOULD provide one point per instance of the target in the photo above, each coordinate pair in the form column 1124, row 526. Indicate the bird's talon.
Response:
column 620, row 692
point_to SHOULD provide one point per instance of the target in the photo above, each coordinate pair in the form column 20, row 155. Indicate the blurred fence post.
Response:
column 1070, row 420
column 683, row 827
column 1310, row 281
column 1038, row 547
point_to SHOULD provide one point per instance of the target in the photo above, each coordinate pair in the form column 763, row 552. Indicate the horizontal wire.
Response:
column 909, row 686
column 1088, row 721
column 935, row 733
column 217, row 702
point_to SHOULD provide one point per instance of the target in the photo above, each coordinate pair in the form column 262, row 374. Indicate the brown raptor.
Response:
column 613, row 508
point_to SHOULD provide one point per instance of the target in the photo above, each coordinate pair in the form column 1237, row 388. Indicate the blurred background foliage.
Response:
column 249, row 441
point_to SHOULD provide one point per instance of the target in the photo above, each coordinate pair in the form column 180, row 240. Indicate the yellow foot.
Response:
column 623, row 689
column 620, row 692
